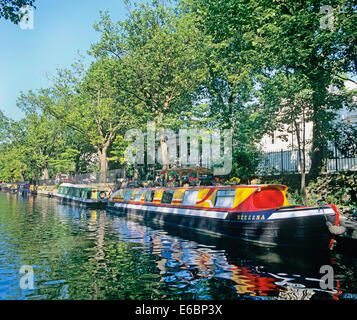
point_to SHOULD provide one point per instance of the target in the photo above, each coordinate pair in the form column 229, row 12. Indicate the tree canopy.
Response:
column 11, row 9
column 249, row 66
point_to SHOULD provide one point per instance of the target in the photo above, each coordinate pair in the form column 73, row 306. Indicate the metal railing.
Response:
column 288, row 161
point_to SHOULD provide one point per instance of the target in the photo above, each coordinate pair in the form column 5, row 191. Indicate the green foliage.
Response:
column 345, row 136
column 335, row 188
column 266, row 39
column 159, row 54
column 10, row 9
column 248, row 66
column 245, row 163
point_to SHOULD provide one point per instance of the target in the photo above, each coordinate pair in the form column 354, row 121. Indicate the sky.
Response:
column 61, row 29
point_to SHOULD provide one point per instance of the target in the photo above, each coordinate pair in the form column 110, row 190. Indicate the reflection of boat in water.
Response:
column 250, row 270
column 255, row 213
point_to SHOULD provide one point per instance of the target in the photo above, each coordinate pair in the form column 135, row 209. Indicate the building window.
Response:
column 190, row 198
column 167, row 197
column 225, row 198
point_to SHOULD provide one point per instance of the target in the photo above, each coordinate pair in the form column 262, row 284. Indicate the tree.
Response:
column 91, row 104
column 345, row 137
column 41, row 141
column 14, row 161
column 4, row 122
column 293, row 112
column 287, row 36
column 10, row 9
column 75, row 155
column 159, row 53
column 39, row 145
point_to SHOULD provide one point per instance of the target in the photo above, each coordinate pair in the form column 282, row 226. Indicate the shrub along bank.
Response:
column 339, row 188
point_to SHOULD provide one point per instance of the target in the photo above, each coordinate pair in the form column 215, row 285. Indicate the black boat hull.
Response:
column 307, row 231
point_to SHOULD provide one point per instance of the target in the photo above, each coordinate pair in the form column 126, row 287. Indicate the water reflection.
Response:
column 91, row 254
column 253, row 270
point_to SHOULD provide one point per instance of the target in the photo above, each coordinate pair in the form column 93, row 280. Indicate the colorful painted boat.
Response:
column 81, row 194
column 256, row 213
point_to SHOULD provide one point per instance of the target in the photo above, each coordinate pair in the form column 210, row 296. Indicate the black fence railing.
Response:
column 288, row 161
column 272, row 163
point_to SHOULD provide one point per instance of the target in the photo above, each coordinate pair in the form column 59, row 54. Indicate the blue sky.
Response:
column 61, row 29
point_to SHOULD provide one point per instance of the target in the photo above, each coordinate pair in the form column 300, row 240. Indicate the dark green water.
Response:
column 78, row 253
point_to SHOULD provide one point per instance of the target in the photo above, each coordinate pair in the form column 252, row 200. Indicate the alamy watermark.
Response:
column 187, row 147
column 327, row 280
column 27, row 280
column 327, row 20
column 27, row 19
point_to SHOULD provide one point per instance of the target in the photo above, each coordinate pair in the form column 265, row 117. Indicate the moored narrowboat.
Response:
column 83, row 195
column 24, row 189
column 255, row 213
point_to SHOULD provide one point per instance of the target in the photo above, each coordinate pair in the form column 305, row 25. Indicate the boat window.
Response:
column 189, row 197
column 128, row 195
column 118, row 194
column 137, row 195
column 225, row 198
column 149, row 195
column 167, row 197
column 84, row 194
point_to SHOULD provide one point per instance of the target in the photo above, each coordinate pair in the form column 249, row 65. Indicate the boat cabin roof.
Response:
column 277, row 186
column 78, row 186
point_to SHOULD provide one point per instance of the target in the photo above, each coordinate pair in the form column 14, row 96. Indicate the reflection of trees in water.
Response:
column 250, row 279
column 89, row 254
column 345, row 268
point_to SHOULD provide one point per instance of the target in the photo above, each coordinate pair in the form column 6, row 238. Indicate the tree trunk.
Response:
column 163, row 144
column 21, row 174
column 320, row 121
column 303, row 188
column 136, row 169
column 103, row 162
column 302, row 160
column 319, row 147
column 164, row 153
column 45, row 173
column 303, row 179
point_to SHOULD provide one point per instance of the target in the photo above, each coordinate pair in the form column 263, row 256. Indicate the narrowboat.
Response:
column 6, row 187
column 84, row 195
column 256, row 213
column 24, row 189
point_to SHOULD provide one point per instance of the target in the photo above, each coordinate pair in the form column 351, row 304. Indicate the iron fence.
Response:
column 288, row 161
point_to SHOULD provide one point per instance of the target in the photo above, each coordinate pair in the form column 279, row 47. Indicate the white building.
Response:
column 281, row 146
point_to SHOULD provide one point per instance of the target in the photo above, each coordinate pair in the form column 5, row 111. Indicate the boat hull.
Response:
column 308, row 230
column 88, row 203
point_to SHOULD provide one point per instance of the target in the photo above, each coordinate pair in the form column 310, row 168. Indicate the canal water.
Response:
column 78, row 253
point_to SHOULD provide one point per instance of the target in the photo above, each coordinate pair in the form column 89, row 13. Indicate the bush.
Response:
column 336, row 188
